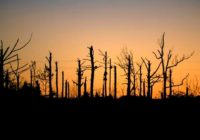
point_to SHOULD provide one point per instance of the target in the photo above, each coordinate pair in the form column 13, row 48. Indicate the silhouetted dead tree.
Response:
column 152, row 78
column 56, row 63
column 168, row 63
column 33, row 73
column 125, row 62
column 50, row 75
column 105, row 62
column 42, row 76
column 92, row 67
column 172, row 85
column 18, row 71
column 115, row 82
column 80, row 72
column 63, row 86
column 68, row 88
column 110, row 75
column 144, row 89
column 9, row 55
column 140, row 79
column 85, row 86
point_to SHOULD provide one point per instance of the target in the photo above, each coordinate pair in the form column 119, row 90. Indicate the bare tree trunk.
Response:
column 66, row 89
column 129, row 77
column 92, row 72
column 115, row 82
column 164, row 85
column 105, row 74
column 79, row 84
column 110, row 75
column 56, row 79
column 140, row 92
column 149, row 80
column 144, row 89
column 50, row 74
column 62, row 84
column 85, row 86
column 170, row 83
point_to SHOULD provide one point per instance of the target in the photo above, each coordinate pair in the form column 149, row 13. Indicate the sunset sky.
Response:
column 67, row 27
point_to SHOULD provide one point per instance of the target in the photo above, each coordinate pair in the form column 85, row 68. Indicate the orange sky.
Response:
column 67, row 27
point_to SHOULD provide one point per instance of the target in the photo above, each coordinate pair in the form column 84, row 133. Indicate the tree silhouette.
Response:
column 80, row 72
column 125, row 62
column 42, row 76
column 50, row 75
column 152, row 78
column 66, row 89
column 115, row 82
column 63, row 86
column 168, row 63
column 110, row 75
column 171, row 83
column 9, row 55
column 105, row 62
column 33, row 73
column 140, row 78
column 18, row 71
column 85, row 86
column 56, row 63
column 92, row 67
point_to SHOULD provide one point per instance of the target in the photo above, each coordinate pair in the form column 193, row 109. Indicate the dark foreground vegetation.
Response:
column 134, row 105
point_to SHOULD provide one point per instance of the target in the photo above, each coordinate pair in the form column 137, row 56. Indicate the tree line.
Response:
column 140, row 77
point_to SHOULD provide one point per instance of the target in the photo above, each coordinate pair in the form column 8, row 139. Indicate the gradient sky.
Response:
column 67, row 27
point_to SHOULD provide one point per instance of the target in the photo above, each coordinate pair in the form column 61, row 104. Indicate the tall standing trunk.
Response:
column 85, row 86
column 50, row 75
column 105, row 75
column 149, row 80
column 140, row 92
column 164, row 85
column 129, row 77
column 79, row 84
column 62, row 84
column 170, row 83
column 66, row 89
column 56, row 79
column 110, row 75
column 115, row 82
column 144, row 89
column 92, row 72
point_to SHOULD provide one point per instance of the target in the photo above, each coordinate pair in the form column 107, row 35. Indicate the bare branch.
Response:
column 182, row 82
column 156, row 70
column 181, row 60
column 24, row 44
column 157, row 57
column 144, row 63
